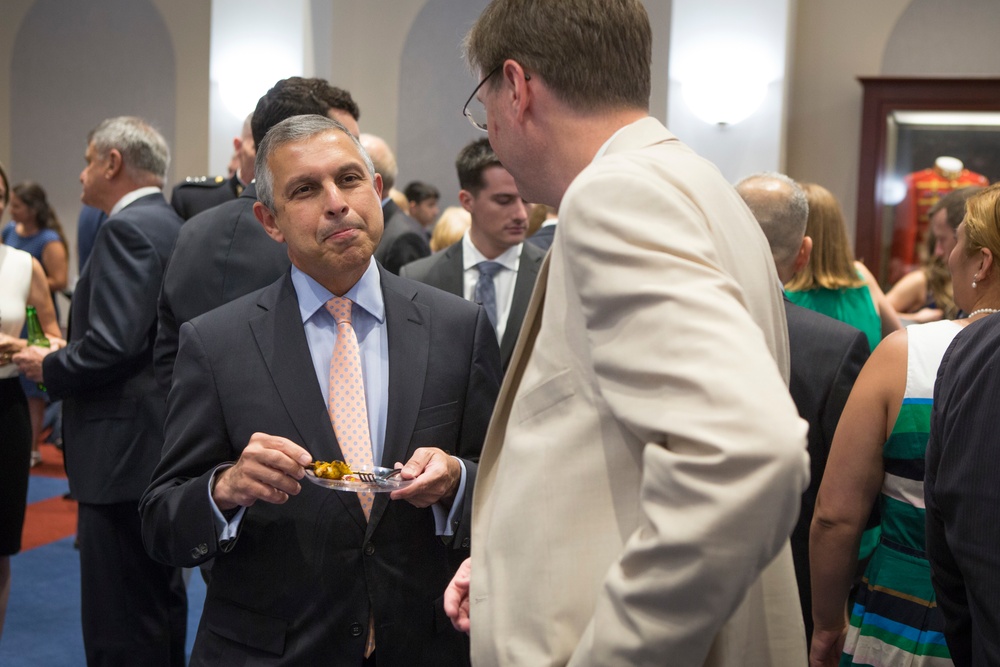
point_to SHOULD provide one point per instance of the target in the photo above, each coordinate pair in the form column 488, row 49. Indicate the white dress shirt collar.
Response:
column 131, row 197
column 471, row 256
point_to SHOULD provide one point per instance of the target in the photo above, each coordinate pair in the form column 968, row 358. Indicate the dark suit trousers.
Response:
column 134, row 609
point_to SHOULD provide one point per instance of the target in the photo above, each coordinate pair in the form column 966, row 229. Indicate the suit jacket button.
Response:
column 369, row 549
column 199, row 551
column 465, row 543
column 356, row 630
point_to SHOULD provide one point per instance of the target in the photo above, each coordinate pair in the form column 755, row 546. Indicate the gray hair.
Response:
column 290, row 130
column 144, row 150
column 781, row 211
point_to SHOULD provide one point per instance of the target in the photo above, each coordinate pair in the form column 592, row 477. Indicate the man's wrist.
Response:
column 227, row 507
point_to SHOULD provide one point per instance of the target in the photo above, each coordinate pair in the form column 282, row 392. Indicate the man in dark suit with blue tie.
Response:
column 492, row 264
column 826, row 355
column 304, row 575
column 134, row 610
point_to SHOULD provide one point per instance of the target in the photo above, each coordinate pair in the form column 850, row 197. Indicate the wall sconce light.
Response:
column 244, row 76
column 725, row 82
column 725, row 100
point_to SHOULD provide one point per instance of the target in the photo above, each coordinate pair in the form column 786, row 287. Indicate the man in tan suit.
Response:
column 644, row 463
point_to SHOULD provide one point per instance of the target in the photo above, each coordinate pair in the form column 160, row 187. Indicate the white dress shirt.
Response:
column 503, row 281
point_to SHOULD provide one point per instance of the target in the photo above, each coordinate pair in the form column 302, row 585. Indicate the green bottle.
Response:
column 35, row 334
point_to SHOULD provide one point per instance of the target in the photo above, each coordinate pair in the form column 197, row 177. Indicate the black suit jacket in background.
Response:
column 197, row 194
column 221, row 254
column 446, row 269
column 113, row 411
column 826, row 357
column 962, row 494
column 298, row 584
column 403, row 239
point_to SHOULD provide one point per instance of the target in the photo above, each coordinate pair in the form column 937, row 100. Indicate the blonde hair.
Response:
column 982, row 221
column 450, row 227
column 831, row 265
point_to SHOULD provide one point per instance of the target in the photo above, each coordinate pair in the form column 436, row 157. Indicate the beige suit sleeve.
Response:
column 682, row 366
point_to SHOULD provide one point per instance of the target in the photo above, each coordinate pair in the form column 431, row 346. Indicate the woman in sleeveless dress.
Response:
column 878, row 454
column 35, row 229
column 22, row 283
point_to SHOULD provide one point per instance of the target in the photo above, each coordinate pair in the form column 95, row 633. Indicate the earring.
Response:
column 974, row 278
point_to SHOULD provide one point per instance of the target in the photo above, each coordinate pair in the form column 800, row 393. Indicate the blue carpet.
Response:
column 43, row 616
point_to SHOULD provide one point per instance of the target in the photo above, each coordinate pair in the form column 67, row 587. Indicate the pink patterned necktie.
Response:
column 348, row 410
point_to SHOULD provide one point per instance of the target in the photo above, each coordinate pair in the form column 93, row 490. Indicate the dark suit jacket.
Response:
column 297, row 585
column 112, row 409
column 403, row 240
column 200, row 194
column 444, row 270
column 826, row 357
column 543, row 237
column 221, row 254
column 962, row 494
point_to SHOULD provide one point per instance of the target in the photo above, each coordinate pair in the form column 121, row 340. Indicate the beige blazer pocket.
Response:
column 545, row 396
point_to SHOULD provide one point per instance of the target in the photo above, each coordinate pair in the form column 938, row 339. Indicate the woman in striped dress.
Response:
column 878, row 453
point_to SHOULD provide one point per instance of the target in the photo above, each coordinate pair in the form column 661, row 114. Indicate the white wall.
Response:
column 730, row 42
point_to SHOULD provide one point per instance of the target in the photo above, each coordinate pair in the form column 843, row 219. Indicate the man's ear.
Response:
column 518, row 79
column 805, row 252
column 466, row 199
column 378, row 185
column 268, row 221
column 114, row 164
column 237, row 144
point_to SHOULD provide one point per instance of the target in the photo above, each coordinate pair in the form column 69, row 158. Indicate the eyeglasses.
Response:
column 474, row 110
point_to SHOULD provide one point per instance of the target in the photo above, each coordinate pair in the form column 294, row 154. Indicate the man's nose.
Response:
column 334, row 199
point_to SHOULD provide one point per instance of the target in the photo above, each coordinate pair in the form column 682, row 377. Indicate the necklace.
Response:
column 983, row 310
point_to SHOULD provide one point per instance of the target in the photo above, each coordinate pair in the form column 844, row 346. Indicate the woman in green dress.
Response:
column 832, row 282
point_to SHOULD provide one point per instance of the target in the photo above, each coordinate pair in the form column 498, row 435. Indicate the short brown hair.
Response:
column 472, row 161
column 593, row 54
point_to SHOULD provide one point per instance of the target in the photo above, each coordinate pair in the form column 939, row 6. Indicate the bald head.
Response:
column 383, row 159
column 781, row 209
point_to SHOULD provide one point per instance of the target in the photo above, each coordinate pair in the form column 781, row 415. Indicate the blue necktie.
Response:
column 486, row 291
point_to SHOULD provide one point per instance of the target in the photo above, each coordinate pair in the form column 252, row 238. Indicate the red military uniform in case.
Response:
column 923, row 190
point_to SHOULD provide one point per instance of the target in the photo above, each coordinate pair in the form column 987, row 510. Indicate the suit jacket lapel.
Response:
column 452, row 271
column 527, row 272
column 409, row 341
column 512, row 379
column 283, row 347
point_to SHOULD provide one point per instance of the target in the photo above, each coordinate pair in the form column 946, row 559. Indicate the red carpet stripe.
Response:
column 51, row 519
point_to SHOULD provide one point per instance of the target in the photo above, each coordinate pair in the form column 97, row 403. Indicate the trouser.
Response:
column 134, row 609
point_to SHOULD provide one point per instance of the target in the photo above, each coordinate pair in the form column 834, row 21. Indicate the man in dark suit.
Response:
column 404, row 240
column 826, row 355
column 305, row 575
column 961, row 491
column 134, row 610
column 200, row 193
column 491, row 264
column 224, row 253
